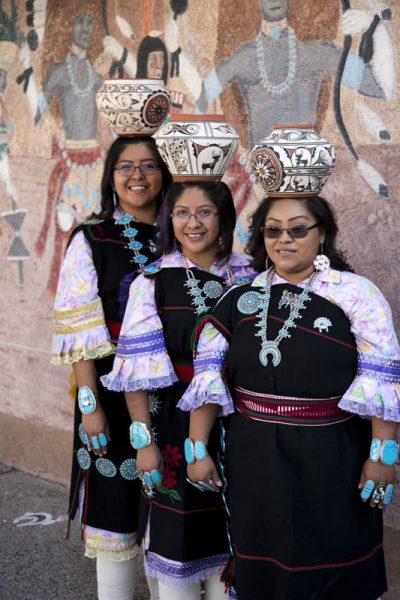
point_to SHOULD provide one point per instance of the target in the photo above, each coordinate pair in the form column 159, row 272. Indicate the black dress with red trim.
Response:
column 299, row 528
column 187, row 527
column 112, row 488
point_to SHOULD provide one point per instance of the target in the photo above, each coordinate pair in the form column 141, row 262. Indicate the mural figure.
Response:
column 73, row 184
column 11, row 39
column 283, row 84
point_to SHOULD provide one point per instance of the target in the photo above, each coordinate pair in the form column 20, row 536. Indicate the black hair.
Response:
column 147, row 45
column 219, row 194
column 323, row 212
column 113, row 154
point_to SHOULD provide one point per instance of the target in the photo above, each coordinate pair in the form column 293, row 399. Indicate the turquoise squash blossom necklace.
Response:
column 211, row 289
column 270, row 347
column 133, row 244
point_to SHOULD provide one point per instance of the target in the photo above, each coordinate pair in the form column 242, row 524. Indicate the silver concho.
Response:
column 212, row 289
column 128, row 469
column 82, row 435
column 270, row 347
column 322, row 324
column 106, row 467
column 84, row 459
column 249, row 303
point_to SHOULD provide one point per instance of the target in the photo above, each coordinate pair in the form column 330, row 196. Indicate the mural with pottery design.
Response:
column 331, row 64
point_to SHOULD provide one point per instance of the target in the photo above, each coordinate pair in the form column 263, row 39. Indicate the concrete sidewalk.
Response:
column 36, row 563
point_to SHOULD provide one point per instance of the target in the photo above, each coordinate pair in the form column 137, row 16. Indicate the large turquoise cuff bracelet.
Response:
column 194, row 450
column 86, row 400
column 140, row 435
column 387, row 452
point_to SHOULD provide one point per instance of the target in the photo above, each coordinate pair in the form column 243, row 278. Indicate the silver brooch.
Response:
column 287, row 299
column 322, row 324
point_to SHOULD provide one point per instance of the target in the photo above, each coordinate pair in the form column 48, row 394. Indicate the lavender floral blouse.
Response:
column 375, row 390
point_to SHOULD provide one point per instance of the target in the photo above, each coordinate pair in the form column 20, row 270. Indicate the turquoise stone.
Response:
column 139, row 435
column 156, row 476
column 367, row 489
column 200, row 450
column 147, row 479
column 374, row 450
column 388, row 495
column 189, row 451
column 389, row 452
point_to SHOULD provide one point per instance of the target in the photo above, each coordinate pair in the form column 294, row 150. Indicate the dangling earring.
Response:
column 115, row 200
column 321, row 261
column 221, row 244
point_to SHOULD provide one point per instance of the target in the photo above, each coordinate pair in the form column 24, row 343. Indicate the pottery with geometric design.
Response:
column 197, row 147
column 134, row 107
column 293, row 161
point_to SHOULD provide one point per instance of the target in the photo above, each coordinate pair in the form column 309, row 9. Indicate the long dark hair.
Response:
column 147, row 45
column 323, row 213
column 113, row 154
column 219, row 194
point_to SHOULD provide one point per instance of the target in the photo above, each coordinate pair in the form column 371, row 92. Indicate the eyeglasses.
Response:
column 127, row 170
column 203, row 215
column 296, row 232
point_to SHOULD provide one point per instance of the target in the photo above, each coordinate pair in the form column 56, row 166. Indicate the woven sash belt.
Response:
column 289, row 410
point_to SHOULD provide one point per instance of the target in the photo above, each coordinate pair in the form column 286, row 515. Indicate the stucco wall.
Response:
column 50, row 156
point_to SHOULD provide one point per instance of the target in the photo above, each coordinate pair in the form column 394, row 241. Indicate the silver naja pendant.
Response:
column 270, row 347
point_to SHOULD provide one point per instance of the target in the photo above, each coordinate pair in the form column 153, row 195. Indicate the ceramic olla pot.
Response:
column 134, row 107
column 197, row 147
column 292, row 161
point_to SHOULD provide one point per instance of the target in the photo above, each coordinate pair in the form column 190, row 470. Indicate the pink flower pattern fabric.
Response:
column 375, row 390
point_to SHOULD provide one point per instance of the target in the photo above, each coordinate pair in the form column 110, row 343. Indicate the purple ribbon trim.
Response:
column 148, row 343
column 394, row 371
column 208, row 363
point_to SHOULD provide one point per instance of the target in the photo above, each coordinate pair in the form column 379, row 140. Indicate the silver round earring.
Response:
column 321, row 261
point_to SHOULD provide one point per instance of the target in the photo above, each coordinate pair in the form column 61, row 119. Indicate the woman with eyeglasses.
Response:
column 184, row 528
column 311, row 352
column 104, row 255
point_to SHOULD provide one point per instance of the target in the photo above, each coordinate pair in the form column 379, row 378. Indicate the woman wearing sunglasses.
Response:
column 104, row 255
column 185, row 528
column 311, row 350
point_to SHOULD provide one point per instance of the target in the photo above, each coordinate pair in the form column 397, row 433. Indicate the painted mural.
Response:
column 332, row 63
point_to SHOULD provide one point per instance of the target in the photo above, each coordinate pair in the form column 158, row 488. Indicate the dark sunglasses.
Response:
column 296, row 232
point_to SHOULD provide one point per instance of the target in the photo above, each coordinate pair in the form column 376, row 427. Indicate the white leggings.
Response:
column 116, row 579
column 214, row 588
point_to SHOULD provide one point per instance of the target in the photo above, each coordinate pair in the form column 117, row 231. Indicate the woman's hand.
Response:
column 96, row 428
column 149, row 461
column 204, row 471
column 378, row 474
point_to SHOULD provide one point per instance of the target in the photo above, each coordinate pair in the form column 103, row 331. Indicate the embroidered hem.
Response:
column 68, row 358
column 179, row 575
column 111, row 555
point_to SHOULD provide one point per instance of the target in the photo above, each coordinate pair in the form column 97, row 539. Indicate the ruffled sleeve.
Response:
column 207, row 385
column 141, row 361
column 376, row 389
column 79, row 330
